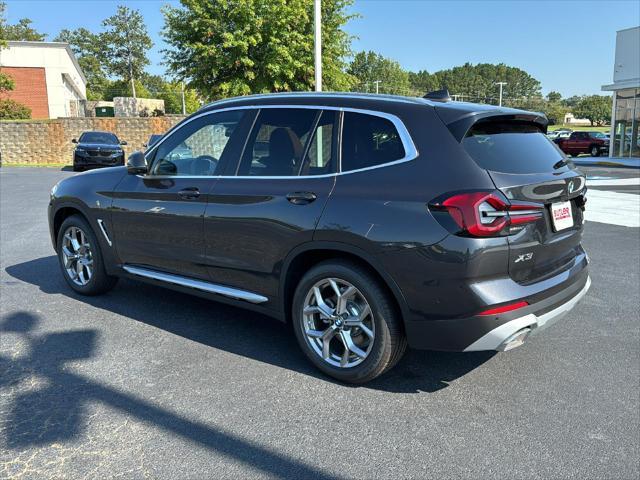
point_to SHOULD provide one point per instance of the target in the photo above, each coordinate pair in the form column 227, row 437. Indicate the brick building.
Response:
column 47, row 78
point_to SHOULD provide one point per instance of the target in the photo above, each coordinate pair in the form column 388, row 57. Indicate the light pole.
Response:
column 317, row 26
column 501, row 84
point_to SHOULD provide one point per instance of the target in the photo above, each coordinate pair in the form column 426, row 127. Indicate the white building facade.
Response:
column 47, row 76
column 625, row 116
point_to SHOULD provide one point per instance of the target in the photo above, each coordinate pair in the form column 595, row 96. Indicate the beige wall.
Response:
column 42, row 142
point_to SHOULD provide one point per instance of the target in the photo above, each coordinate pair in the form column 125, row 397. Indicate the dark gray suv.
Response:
column 369, row 222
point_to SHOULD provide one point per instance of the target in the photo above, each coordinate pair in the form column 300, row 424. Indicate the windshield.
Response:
column 99, row 137
column 511, row 147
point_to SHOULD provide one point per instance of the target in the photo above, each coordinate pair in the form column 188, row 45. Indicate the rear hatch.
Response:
column 529, row 168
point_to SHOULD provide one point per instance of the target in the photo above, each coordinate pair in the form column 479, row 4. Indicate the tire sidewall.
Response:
column 77, row 221
column 380, row 353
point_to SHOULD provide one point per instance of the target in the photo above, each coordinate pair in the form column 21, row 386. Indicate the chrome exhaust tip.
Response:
column 514, row 340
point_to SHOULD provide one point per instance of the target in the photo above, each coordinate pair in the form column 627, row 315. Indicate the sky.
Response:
column 567, row 45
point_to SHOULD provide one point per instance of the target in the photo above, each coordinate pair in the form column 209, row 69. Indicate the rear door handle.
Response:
column 301, row 198
column 190, row 193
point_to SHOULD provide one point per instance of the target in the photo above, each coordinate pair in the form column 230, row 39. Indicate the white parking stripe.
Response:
column 613, row 208
column 612, row 182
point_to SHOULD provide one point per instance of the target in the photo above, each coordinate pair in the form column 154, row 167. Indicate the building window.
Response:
column 626, row 139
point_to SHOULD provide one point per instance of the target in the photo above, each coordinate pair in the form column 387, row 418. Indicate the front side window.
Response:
column 197, row 148
column 369, row 140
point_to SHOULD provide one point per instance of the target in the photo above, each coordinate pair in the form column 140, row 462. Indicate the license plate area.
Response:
column 561, row 216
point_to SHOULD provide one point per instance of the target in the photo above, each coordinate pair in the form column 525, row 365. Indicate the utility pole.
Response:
column 377, row 82
column 184, row 106
column 501, row 84
column 317, row 41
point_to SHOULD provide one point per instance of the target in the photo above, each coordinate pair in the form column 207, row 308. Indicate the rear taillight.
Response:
column 486, row 214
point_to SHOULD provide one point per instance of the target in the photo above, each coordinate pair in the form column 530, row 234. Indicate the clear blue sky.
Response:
column 567, row 45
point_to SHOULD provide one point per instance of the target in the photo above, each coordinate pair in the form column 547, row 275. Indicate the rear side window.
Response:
column 511, row 147
column 290, row 142
column 369, row 140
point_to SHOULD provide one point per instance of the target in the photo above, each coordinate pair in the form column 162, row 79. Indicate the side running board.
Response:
column 197, row 284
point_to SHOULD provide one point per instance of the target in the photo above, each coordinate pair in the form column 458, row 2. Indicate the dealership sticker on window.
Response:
column 561, row 215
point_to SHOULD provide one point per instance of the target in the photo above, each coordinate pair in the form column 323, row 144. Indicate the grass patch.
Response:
column 578, row 128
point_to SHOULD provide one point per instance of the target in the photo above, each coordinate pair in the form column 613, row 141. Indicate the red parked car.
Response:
column 592, row 143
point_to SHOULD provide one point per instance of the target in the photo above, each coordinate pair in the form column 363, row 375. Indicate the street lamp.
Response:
column 317, row 26
column 501, row 84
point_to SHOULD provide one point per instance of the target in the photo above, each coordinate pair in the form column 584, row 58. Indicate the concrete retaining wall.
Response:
column 49, row 141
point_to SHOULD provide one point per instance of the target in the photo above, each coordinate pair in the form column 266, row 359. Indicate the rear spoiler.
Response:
column 460, row 120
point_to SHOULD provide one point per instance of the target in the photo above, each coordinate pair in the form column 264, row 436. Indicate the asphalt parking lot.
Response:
column 147, row 383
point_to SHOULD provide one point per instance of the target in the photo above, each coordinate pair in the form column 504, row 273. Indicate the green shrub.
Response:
column 12, row 110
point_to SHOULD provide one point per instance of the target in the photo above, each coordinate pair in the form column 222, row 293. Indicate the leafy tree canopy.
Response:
column 237, row 47
column 127, row 42
column 370, row 67
column 595, row 108
column 21, row 31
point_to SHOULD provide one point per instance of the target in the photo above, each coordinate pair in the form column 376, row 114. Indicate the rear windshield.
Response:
column 512, row 147
column 99, row 137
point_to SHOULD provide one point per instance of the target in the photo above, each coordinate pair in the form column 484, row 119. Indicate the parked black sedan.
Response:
column 97, row 149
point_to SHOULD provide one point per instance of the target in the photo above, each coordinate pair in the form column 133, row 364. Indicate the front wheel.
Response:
column 346, row 322
column 80, row 258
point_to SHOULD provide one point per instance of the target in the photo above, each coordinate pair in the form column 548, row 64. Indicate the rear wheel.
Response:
column 595, row 151
column 346, row 323
column 80, row 258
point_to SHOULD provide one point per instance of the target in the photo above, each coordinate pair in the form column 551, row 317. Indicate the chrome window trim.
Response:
column 410, row 149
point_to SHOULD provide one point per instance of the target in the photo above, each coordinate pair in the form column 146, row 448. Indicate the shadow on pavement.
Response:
column 242, row 332
column 51, row 410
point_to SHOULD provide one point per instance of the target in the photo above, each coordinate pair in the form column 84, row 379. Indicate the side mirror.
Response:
column 136, row 163
column 123, row 143
column 74, row 141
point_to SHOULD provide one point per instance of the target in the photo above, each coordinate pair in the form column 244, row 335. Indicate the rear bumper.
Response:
column 512, row 333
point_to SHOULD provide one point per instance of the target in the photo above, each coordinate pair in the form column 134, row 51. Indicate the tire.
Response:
column 95, row 283
column 76, row 168
column 382, row 350
column 595, row 151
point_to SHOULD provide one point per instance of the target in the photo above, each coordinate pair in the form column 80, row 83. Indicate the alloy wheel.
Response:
column 338, row 323
column 77, row 256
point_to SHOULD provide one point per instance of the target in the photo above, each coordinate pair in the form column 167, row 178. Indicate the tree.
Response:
column 171, row 93
column 127, row 42
column 91, row 52
column 554, row 96
column 423, row 82
column 595, row 108
column 237, row 47
column 370, row 67
column 12, row 110
column 19, row 31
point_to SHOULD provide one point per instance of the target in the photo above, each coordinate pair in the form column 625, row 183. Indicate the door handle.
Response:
column 301, row 198
column 190, row 193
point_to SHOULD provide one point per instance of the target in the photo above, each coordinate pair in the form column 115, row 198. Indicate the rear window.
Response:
column 512, row 148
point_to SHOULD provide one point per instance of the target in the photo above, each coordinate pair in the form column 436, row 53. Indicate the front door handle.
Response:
column 301, row 198
column 190, row 193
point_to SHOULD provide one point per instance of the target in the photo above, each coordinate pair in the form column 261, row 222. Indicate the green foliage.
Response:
column 555, row 112
column 237, row 47
column 12, row 110
column 122, row 88
column 90, row 50
column 369, row 67
column 171, row 93
column 6, row 82
column 595, row 108
column 423, row 82
column 554, row 96
column 19, row 31
column 126, row 43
